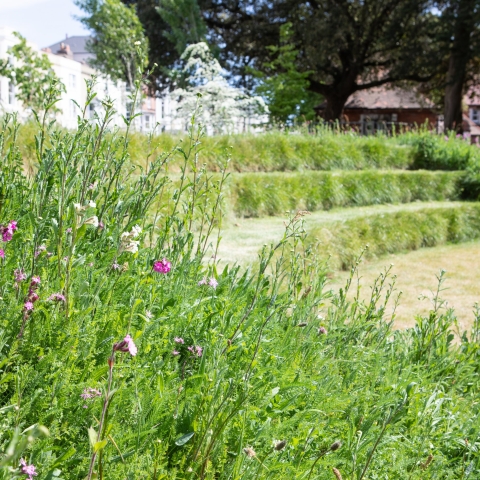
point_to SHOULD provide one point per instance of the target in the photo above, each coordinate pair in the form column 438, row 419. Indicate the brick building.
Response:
column 386, row 107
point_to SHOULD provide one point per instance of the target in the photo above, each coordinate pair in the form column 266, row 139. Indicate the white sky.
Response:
column 43, row 22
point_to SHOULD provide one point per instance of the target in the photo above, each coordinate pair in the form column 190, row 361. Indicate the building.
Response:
column 69, row 59
column 386, row 107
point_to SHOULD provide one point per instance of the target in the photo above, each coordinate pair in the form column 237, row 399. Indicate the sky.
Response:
column 42, row 22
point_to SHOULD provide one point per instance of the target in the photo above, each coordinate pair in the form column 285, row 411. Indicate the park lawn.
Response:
column 416, row 278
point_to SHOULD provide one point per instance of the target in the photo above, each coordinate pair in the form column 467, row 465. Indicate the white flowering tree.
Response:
column 223, row 107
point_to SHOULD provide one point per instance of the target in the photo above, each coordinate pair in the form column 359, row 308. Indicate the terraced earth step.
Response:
column 243, row 238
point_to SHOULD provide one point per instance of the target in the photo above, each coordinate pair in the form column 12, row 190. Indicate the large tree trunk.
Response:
column 334, row 107
column 457, row 65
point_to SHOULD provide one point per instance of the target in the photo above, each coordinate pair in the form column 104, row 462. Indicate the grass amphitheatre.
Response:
column 188, row 307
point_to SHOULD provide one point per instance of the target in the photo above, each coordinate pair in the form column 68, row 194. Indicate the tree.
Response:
column 30, row 72
column 119, row 43
column 462, row 19
column 283, row 86
column 347, row 45
column 221, row 104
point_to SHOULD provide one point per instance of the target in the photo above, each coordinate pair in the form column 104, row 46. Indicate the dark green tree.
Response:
column 285, row 89
column 119, row 43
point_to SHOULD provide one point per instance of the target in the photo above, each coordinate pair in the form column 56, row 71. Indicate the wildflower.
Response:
column 250, row 452
column 91, row 186
column 90, row 264
column 322, row 331
column 35, row 280
column 162, row 266
column 56, row 297
column 69, row 230
column 148, row 314
column 131, row 247
column 91, row 204
column 20, row 275
column 101, row 225
column 12, row 225
column 213, row 283
column 7, row 234
column 203, row 281
column 28, row 469
column 179, row 340
column 199, row 351
column 90, row 394
column 32, row 296
column 28, row 307
column 2, row 253
column 92, row 221
column 137, row 43
column 116, row 266
column 136, row 231
column 126, row 345
column 175, row 353
column 39, row 250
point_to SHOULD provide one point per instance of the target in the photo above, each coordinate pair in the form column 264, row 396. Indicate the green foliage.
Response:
column 283, row 86
column 185, row 22
column 283, row 359
column 396, row 232
column 30, row 72
column 259, row 194
column 119, row 43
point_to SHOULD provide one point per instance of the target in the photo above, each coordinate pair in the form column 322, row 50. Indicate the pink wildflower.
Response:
column 57, row 297
column 101, row 225
column 36, row 280
column 191, row 349
column 28, row 469
column 175, row 353
column 179, row 340
column 199, row 351
column 7, row 234
column 90, row 394
column 12, row 225
column 322, row 331
column 2, row 253
column 20, row 276
column 126, row 345
column 39, row 250
column 32, row 296
column 116, row 266
column 213, row 283
column 69, row 230
column 203, row 281
column 28, row 306
column 162, row 266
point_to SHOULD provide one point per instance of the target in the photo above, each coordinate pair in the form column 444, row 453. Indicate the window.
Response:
column 474, row 115
column 11, row 93
column 394, row 117
column 147, row 122
column 163, row 108
column 73, row 80
column 73, row 109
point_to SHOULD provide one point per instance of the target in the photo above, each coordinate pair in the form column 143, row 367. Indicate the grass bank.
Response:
column 263, row 194
column 395, row 232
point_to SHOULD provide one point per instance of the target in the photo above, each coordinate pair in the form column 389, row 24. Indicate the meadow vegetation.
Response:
column 125, row 352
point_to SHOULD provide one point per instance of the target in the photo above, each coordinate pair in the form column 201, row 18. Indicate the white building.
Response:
column 69, row 59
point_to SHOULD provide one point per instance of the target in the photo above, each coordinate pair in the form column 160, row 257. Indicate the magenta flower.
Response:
column 213, row 283
column 56, row 297
column 28, row 469
column 12, row 225
column 7, row 234
column 2, row 253
column 90, row 394
column 39, row 250
column 20, row 275
column 198, row 351
column 69, row 230
column 28, row 306
column 36, row 280
column 175, row 353
column 126, row 345
column 179, row 340
column 32, row 296
column 116, row 266
column 162, row 266
column 322, row 331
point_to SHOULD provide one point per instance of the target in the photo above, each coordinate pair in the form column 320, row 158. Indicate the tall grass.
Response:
column 237, row 374
column 342, row 242
column 260, row 194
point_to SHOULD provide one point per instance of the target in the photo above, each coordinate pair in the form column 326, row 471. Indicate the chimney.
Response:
column 65, row 51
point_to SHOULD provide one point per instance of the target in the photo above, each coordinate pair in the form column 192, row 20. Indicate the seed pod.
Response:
column 250, row 452
column 335, row 445
column 337, row 473
column 427, row 462
column 280, row 445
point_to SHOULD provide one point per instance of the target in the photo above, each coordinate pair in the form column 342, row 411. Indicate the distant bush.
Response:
column 259, row 194
column 395, row 232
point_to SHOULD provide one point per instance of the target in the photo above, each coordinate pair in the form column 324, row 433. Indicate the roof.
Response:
column 78, row 47
column 386, row 98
